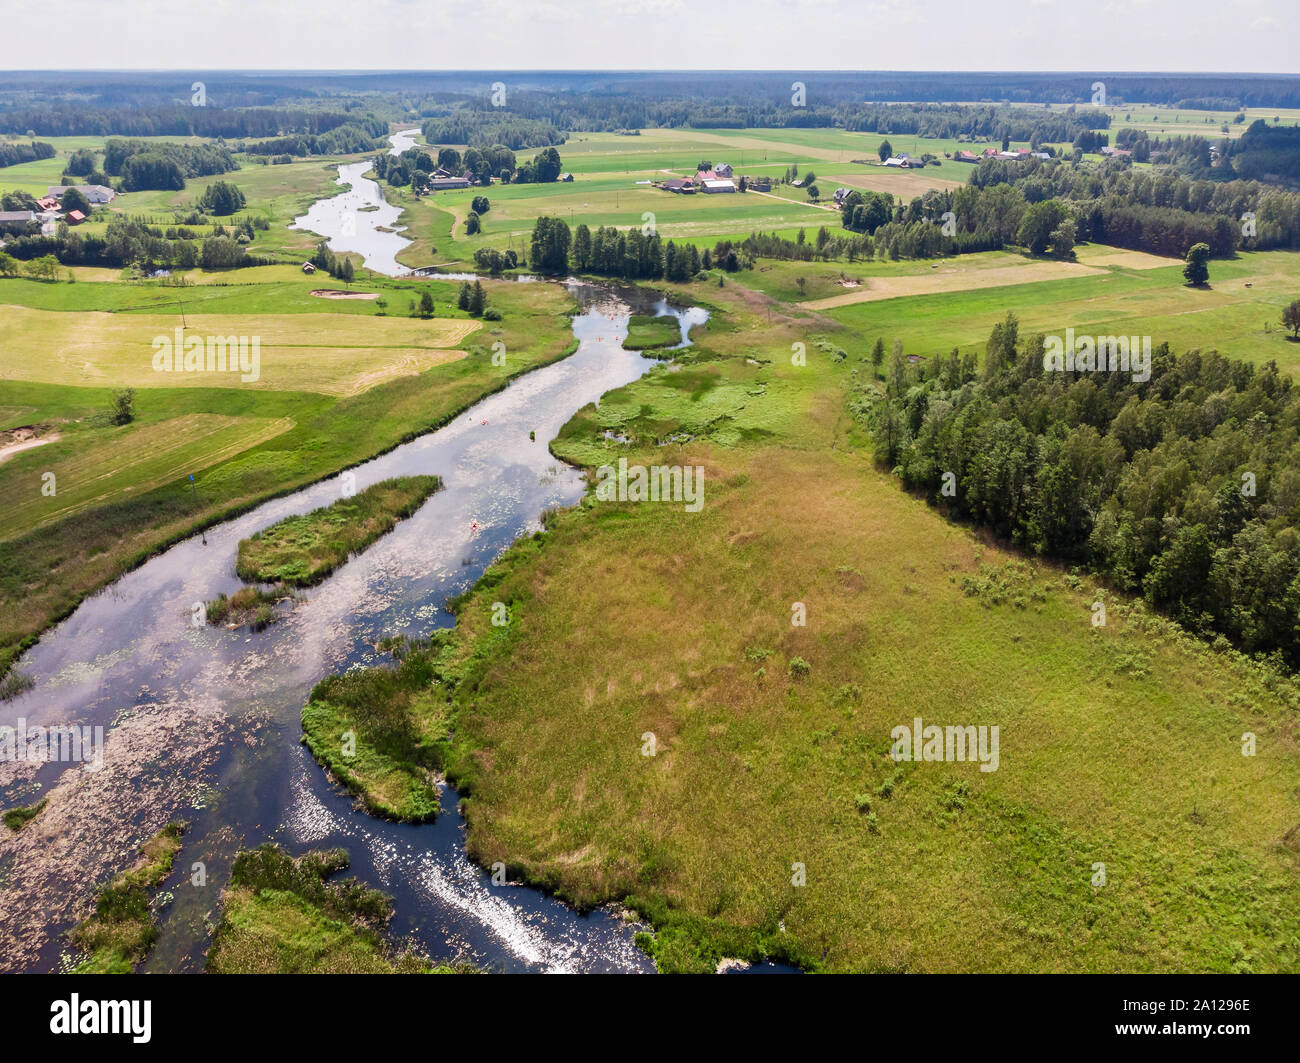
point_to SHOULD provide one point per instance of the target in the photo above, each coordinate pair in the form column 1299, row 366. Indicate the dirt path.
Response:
column 8, row 450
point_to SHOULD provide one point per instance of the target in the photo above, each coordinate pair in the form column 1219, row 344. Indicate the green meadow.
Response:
column 726, row 772
column 1239, row 315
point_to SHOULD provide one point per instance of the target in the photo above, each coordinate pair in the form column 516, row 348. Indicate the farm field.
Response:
column 128, row 486
column 1236, row 320
column 1165, row 121
column 130, row 459
column 339, row 355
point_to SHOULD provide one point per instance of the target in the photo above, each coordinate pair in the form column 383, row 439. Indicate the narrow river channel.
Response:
column 203, row 723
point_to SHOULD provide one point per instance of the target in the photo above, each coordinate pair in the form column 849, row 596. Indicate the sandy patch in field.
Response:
column 906, row 183
column 954, row 280
column 20, row 439
column 334, row 293
column 1115, row 256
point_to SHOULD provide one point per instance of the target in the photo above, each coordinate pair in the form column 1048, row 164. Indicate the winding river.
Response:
column 360, row 219
column 203, row 723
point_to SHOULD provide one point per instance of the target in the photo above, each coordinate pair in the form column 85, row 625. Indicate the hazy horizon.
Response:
column 1143, row 36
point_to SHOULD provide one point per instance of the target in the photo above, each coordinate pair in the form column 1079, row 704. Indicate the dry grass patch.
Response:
column 334, row 354
column 954, row 275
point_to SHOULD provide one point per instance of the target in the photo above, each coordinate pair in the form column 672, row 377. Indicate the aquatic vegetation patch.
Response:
column 302, row 551
column 17, row 818
column 121, row 931
column 282, row 914
column 645, row 332
column 251, row 606
column 380, row 731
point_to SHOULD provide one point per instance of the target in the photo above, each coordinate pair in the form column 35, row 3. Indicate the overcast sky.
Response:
column 1116, row 35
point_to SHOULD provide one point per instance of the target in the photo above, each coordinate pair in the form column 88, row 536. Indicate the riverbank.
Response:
column 45, row 574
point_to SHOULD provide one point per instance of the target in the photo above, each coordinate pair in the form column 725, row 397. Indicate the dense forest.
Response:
column 72, row 118
column 13, row 154
column 481, row 128
column 146, row 164
column 1184, row 488
column 423, row 92
column 542, row 107
column 364, row 134
column 1158, row 211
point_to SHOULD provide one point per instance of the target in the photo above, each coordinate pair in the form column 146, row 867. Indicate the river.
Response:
column 360, row 219
column 204, row 723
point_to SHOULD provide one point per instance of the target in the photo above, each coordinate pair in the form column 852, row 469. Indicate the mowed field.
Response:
column 125, row 460
column 1118, row 746
column 337, row 355
column 1239, row 315
column 1161, row 120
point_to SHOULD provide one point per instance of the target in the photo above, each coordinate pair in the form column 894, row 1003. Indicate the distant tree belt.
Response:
column 131, row 120
column 1184, row 487
column 248, row 105
column 147, row 164
column 30, row 151
column 1164, row 211
column 481, row 129
column 348, row 139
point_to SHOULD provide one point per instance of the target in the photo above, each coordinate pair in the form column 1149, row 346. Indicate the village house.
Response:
column 95, row 194
column 723, row 169
column 841, row 194
column 717, row 184
column 680, row 185
column 74, row 217
column 758, row 184
column 965, row 156
column 16, row 219
column 442, row 180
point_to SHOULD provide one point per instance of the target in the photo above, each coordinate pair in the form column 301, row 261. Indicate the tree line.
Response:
column 1184, row 488
column 31, row 151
